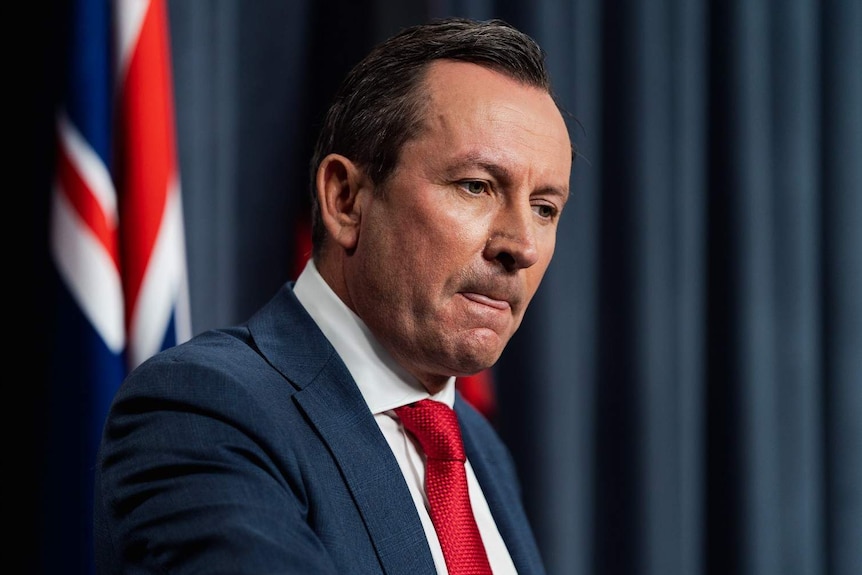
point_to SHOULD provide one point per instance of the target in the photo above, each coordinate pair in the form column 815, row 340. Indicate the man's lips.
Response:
column 486, row 300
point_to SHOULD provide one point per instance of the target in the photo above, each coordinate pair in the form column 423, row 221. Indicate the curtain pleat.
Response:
column 684, row 395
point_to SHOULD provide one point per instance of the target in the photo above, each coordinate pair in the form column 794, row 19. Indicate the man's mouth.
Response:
column 500, row 304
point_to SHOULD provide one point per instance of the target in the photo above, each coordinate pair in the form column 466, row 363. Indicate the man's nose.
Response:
column 512, row 240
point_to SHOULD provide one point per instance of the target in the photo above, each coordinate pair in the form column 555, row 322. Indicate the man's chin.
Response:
column 473, row 360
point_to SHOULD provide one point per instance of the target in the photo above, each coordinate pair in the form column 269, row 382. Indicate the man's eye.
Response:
column 545, row 210
column 474, row 187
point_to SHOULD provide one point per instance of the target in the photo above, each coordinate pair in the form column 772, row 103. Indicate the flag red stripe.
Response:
column 478, row 390
column 148, row 150
column 85, row 204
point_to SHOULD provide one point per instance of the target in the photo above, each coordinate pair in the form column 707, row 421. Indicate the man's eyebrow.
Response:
column 562, row 193
column 483, row 162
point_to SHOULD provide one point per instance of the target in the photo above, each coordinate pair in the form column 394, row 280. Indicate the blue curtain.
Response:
column 685, row 394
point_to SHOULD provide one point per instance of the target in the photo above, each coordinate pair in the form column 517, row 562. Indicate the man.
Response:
column 280, row 446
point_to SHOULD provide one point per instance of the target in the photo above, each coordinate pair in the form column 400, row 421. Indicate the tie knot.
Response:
column 435, row 426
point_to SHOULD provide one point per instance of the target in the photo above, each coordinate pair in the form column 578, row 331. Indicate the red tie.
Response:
column 435, row 426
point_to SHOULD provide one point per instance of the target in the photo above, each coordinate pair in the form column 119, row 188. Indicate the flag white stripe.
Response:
column 90, row 167
column 164, row 289
column 128, row 18
column 88, row 271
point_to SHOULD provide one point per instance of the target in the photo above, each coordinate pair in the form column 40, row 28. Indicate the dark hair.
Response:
column 379, row 105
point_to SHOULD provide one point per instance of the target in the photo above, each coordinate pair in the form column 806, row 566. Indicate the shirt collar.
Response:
column 382, row 381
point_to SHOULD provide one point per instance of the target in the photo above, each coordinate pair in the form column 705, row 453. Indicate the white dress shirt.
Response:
column 385, row 385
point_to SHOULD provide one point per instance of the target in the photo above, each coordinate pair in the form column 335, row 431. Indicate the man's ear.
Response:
column 339, row 183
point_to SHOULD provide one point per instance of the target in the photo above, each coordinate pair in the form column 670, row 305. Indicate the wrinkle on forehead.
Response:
column 474, row 114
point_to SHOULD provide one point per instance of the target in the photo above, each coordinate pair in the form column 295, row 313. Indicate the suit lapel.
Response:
column 503, row 497
column 371, row 472
column 334, row 406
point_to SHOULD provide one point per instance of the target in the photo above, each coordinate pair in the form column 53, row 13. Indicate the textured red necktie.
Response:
column 435, row 426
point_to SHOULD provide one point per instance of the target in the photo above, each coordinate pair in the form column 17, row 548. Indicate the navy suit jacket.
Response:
column 251, row 450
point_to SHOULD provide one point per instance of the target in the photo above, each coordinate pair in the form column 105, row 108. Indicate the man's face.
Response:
column 451, row 252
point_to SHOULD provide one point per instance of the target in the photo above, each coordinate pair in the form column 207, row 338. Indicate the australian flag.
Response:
column 116, row 245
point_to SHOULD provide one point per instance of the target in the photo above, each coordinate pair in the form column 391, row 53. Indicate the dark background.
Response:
column 685, row 394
